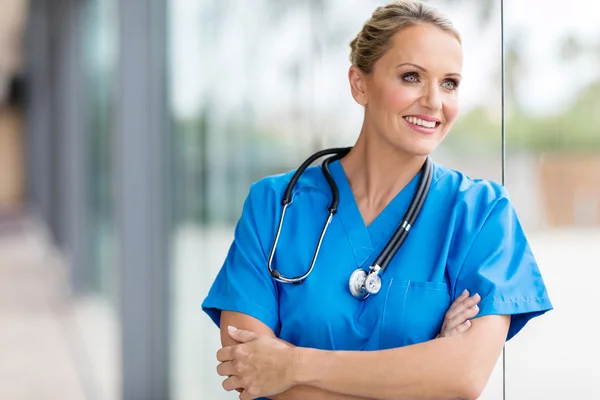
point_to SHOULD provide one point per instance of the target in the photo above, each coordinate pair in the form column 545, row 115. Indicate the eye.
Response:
column 411, row 77
column 450, row 84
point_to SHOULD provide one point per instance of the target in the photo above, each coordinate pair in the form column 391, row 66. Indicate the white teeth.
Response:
column 419, row 121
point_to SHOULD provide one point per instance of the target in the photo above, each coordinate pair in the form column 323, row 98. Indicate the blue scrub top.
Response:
column 467, row 236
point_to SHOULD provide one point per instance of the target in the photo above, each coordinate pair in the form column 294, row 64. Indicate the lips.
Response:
column 424, row 117
column 427, row 127
column 426, row 122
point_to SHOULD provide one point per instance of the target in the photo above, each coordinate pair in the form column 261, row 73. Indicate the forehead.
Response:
column 427, row 46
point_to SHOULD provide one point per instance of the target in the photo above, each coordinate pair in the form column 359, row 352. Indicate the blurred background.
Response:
column 131, row 130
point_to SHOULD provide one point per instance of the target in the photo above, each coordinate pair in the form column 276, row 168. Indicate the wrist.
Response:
column 304, row 368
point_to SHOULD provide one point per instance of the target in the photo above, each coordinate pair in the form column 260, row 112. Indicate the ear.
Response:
column 358, row 85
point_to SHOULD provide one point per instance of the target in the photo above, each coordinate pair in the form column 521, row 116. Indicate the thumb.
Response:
column 241, row 335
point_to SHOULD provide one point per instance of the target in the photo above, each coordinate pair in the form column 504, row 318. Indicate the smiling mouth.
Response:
column 421, row 122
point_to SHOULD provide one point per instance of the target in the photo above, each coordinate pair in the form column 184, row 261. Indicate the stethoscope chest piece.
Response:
column 363, row 284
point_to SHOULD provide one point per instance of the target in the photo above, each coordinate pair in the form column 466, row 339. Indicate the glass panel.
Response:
column 553, row 174
column 98, row 312
column 256, row 87
column 100, row 70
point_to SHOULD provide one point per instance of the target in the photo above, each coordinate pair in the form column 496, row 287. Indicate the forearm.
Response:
column 438, row 369
column 304, row 392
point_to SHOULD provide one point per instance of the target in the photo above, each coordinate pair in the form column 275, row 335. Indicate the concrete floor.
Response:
column 51, row 347
column 35, row 355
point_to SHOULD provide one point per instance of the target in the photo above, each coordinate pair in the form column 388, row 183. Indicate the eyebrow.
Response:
column 424, row 70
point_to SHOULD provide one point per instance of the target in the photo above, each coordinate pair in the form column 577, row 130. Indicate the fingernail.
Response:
column 477, row 295
column 465, row 292
column 232, row 328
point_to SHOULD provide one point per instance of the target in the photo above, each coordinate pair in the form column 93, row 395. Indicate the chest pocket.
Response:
column 413, row 312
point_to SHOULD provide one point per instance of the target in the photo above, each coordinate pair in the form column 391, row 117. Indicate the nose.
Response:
column 431, row 98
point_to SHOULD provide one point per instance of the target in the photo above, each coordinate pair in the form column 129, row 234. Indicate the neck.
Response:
column 377, row 171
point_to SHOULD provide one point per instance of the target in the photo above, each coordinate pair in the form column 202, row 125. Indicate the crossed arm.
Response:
column 446, row 368
column 299, row 392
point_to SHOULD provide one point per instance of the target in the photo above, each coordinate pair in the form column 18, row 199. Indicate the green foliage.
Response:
column 575, row 129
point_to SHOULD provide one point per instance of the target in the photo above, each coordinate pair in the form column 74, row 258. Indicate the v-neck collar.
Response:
column 366, row 240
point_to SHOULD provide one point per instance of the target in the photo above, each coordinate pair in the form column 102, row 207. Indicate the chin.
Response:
column 419, row 149
column 428, row 148
column 423, row 152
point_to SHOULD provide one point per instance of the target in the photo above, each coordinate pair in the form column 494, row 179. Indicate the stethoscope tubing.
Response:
column 287, row 200
column 387, row 254
column 391, row 247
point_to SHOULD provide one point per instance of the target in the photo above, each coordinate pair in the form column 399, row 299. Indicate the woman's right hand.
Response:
column 457, row 318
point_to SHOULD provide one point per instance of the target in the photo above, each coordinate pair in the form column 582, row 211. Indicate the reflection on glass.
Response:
column 553, row 173
column 99, row 308
column 100, row 66
column 256, row 87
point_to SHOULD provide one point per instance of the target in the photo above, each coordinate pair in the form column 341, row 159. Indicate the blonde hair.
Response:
column 375, row 37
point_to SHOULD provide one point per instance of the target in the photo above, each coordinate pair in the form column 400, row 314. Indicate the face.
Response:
column 411, row 95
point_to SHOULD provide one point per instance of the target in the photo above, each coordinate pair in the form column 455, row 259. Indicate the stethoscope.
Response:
column 362, row 284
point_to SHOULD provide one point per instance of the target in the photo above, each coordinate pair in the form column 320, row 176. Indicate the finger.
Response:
column 245, row 396
column 241, row 335
column 456, row 330
column 462, row 317
column 467, row 303
column 450, row 318
column 458, row 304
column 466, row 314
column 461, row 328
column 462, row 306
column 458, row 316
column 232, row 383
column 226, row 369
column 463, row 296
column 225, row 354
column 471, row 312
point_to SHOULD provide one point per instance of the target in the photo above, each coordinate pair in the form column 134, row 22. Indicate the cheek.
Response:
column 451, row 109
column 399, row 98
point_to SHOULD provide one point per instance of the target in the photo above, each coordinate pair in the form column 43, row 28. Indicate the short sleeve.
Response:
column 501, row 267
column 243, row 284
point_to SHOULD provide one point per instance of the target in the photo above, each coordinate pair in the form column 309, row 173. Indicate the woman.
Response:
column 315, row 339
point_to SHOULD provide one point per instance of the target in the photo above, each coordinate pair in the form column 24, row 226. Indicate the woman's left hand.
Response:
column 260, row 364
